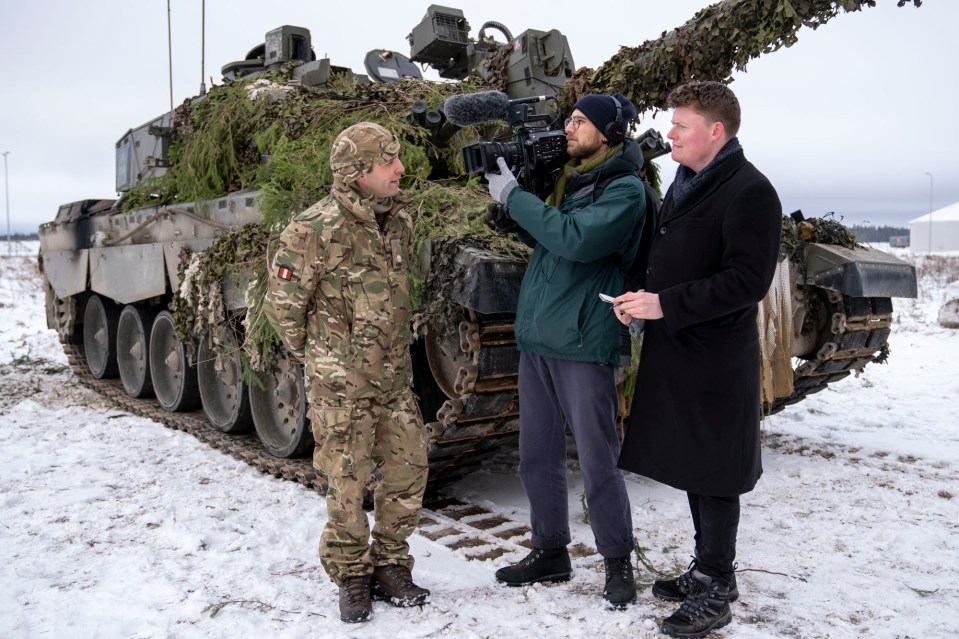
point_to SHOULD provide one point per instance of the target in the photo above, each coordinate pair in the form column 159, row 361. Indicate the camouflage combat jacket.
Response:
column 339, row 297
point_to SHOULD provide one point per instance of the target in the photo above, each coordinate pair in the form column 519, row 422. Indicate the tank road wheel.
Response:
column 279, row 409
column 61, row 313
column 133, row 350
column 100, row 337
column 174, row 379
column 446, row 357
column 222, row 388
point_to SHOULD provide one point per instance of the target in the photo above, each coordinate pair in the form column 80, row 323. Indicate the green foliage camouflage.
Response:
column 273, row 135
column 233, row 260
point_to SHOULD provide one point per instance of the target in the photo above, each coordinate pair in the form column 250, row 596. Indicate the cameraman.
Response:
column 585, row 236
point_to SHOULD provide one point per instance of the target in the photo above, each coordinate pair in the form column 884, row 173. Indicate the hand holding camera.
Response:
column 501, row 184
column 497, row 217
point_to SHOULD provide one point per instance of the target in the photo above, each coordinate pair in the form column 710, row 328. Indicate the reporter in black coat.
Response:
column 694, row 421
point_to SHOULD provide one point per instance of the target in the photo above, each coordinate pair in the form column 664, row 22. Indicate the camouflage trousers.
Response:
column 385, row 434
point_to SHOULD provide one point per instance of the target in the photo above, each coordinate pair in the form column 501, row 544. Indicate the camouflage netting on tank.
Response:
column 273, row 135
column 198, row 305
column 718, row 40
column 434, row 292
column 823, row 230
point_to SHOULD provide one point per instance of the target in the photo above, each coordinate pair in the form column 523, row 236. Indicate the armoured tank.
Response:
column 160, row 290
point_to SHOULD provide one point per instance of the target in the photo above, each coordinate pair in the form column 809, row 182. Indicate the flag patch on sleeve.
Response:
column 285, row 273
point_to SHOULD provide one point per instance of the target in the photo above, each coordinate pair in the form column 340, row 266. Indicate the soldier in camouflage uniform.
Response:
column 339, row 297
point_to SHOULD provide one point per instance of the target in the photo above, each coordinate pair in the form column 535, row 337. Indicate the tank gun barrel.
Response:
column 718, row 40
column 434, row 121
column 652, row 145
column 418, row 113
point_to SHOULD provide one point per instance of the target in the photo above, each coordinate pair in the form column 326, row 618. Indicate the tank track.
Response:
column 856, row 334
column 246, row 448
column 485, row 418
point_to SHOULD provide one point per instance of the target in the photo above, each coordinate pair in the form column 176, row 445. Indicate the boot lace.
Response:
column 532, row 557
column 357, row 588
column 686, row 582
column 700, row 604
column 399, row 574
column 616, row 567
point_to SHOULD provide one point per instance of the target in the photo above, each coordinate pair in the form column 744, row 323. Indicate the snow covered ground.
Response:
column 115, row 526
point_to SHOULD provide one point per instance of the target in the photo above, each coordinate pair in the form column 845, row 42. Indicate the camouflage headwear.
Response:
column 358, row 147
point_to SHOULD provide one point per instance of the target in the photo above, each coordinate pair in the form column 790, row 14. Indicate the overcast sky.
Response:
column 853, row 119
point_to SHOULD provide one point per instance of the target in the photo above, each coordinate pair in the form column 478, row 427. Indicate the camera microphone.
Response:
column 475, row 108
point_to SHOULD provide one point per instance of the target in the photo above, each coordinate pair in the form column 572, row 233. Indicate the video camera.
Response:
column 535, row 156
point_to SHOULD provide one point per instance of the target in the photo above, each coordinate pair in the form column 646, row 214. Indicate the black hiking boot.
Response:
column 620, row 585
column 355, row 603
column 677, row 588
column 539, row 565
column 394, row 583
column 706, row 608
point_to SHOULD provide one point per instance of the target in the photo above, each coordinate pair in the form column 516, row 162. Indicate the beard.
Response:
column 584, row 151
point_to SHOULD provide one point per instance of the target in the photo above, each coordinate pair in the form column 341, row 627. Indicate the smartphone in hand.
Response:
column 606, row 298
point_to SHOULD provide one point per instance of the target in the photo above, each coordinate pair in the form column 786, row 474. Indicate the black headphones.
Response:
column 614, row 130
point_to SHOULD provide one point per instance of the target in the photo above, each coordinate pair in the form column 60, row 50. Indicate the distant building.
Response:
column 899, row 241
column 940, row 228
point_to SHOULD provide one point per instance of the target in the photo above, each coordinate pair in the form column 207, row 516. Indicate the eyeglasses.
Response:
column 575, row 121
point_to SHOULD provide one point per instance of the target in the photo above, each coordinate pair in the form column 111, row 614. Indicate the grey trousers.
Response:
column 555, row 393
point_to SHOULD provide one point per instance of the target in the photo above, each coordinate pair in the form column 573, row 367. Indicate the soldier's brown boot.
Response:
column 355, row 602
column 394, row 584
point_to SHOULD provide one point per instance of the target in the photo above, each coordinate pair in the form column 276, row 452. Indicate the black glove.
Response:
column 497, row 216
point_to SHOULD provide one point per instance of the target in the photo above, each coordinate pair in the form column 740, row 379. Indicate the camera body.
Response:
column 535, row 156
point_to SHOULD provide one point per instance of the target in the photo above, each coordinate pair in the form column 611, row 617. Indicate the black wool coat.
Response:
column 694, row 421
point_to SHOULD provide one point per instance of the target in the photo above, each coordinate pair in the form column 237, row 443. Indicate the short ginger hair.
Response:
column 713, row 100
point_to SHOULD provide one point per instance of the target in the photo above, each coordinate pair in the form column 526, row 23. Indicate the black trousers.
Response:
column 716, row 521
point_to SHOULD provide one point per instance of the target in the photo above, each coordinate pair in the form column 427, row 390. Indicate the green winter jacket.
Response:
column 581, row 249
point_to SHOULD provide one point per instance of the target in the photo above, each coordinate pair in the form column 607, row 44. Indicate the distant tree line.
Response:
column 877, row 233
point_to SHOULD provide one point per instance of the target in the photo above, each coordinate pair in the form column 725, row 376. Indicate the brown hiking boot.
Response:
column 394, row 583
column 355, row 603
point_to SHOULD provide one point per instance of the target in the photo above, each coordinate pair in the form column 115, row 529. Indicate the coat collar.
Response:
column 716, row 178
column 623, row 158
column 369, row 210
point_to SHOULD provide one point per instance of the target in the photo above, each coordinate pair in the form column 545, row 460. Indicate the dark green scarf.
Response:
column 571, row 169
